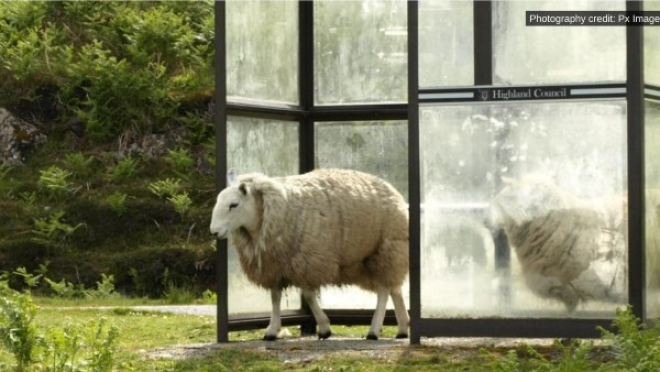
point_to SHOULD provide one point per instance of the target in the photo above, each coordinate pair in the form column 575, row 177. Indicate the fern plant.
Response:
column 166, row 187
column 54, row 180
column 105, row 288
column 66, row 289
column 79, row 164
column 52, row 232
column 30, row 280
column 180, row 162
column 124, row 170
column 117, row 202
column 181, row 203
column 636, row 347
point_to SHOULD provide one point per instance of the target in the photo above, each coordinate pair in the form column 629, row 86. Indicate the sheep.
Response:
column 568, row 248
column 326, row 227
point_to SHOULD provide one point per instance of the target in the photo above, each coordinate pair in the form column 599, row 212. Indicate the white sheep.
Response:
column 568, row 248
column 326, row 227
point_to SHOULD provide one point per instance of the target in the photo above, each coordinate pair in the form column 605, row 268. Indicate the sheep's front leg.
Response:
column 321, row 319
column 275, row 318
column 379, row 315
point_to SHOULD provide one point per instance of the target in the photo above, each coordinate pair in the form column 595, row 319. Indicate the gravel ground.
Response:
column 308, row 349
column 302, row 350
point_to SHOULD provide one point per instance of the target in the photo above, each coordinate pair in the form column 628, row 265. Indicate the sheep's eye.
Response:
column 233, row 205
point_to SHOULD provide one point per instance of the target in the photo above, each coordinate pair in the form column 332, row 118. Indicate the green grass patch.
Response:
column 114, row 301
column 141, row 333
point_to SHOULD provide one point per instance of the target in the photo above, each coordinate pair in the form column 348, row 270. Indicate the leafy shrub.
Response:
column 181, row 203
column 30, row 280
column 636, row 347
column 180, row 162
column 79, row 164
column 66, row 289
column 209, row 297
column 54, row 180
column 166, row 187
column 142, row 271
column 52, row 232
column 18, row 332
column 117, row 202
column 89, row 347
column 179, row 295
column 573, row 357
column 105, row 288
column 124, row 170
column 120, row 98
column 119, row 66
column 138, row 285
column 27, row 50
column 29, row 198
column 509, row 362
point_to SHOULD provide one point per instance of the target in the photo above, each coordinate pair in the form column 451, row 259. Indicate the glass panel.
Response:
column 547, row 55
column 553, row 177
column 264, row 146
column 652, row 138
column 269, row 147
column 652, row 48
column 375, row 147
column 262, row 50
column 379, row 148
column 446, row 43
column 360, row 51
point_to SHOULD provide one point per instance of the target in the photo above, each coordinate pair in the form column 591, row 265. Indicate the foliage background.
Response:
column 123, row 91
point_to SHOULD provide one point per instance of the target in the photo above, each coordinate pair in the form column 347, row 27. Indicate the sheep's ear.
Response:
column 242, row 188
column 231, row 177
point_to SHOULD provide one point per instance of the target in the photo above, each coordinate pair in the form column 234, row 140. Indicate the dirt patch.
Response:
column 308, row 349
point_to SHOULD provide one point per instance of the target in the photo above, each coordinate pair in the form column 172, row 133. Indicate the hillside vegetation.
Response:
column 124, row 184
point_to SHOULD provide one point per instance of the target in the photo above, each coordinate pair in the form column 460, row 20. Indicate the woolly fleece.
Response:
column 326, row 227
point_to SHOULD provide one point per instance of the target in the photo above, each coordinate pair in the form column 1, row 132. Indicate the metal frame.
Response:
column 636, row 167
column 307, row 113
column 221, row 164
column 632, row 90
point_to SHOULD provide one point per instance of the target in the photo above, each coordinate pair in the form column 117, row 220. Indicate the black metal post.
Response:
column 306, row 127
column 636, row 168
column 414, row 196
column 483, row 42
column 221, row 164
column 306, row 84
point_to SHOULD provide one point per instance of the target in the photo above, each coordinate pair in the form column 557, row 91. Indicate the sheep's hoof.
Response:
column 270, row 337
column 372, row 336
column 402, row 335
column 323, row 336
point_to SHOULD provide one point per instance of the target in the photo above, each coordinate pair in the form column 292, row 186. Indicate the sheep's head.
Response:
column 235, row 208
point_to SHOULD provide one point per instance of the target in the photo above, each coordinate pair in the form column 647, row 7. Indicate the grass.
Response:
column 116, row 301
column 143, row 332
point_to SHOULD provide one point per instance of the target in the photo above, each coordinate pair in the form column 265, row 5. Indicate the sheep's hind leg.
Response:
column 275, row 318
column 379, row 315
column 321, row 319
column 402, row 319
